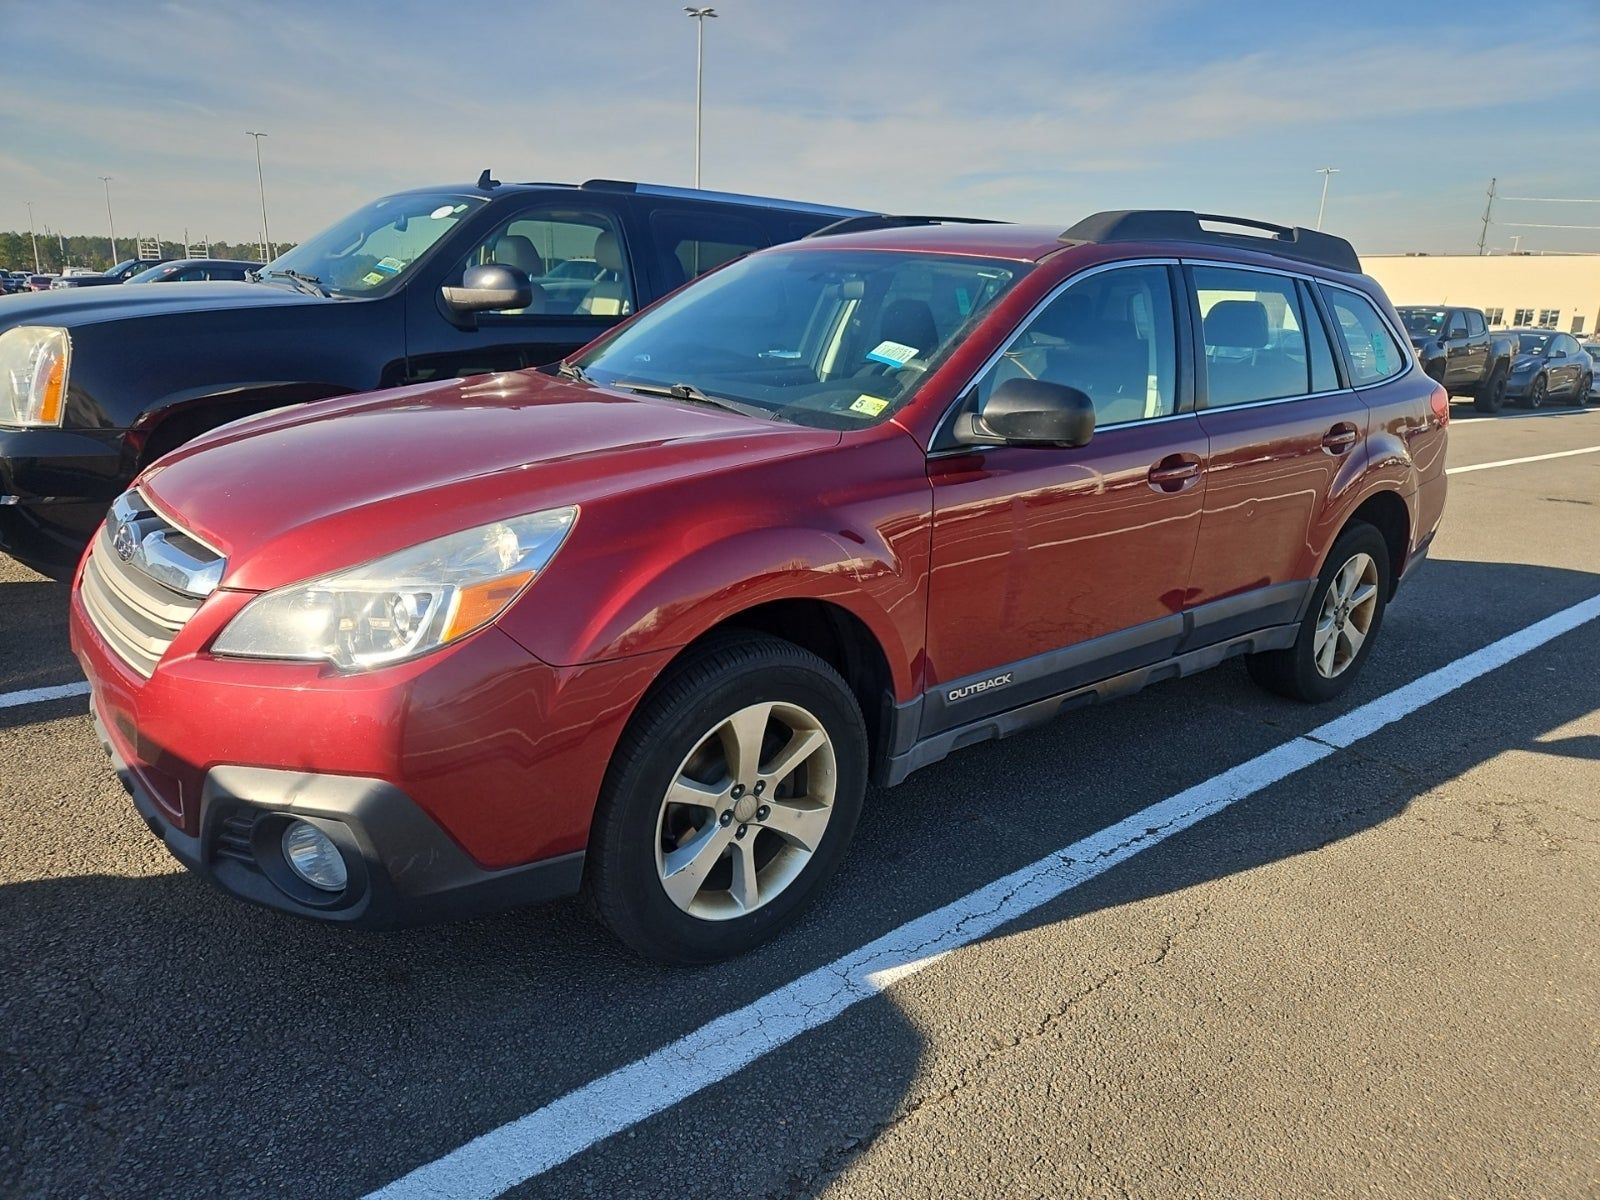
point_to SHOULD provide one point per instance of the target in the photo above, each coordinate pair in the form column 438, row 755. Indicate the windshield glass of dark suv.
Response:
column 368, row 252
column 834, row 339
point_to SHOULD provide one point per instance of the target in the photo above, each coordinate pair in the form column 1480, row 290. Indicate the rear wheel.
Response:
column 1341, row 623
column 1492, row 396
column 1581, row 397
column 730, row 800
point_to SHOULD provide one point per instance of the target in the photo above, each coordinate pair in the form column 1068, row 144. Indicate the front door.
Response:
column 1058, row 567
column 578, row 260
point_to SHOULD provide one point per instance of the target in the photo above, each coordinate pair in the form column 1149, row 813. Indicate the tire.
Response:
column 1491, row 398
column 1295, row 672
column 1581, row 396
column 684, row 738
column 1538, row 392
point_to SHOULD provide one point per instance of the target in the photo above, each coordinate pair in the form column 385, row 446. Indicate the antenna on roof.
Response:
column 485, row 183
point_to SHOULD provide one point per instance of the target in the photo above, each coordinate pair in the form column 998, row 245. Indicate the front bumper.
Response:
column 403, row 869
column 1517, row 389
column 55, row 486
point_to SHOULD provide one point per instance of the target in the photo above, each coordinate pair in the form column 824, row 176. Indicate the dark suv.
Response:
column 97, row 383
column 648, row 621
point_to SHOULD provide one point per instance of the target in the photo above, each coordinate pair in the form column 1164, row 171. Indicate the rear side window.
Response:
column 1254, row 336
column 690, row 244
column 1371, row 353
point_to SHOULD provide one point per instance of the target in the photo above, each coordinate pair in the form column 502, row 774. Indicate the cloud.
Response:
column 1028, row 110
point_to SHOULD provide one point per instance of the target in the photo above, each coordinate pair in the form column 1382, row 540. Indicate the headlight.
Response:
column 1523, row 367
column 404, row 605
column 33, row 375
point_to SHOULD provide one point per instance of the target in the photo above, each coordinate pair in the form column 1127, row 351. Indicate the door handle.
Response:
column 1340, row 438
column 1174, row 472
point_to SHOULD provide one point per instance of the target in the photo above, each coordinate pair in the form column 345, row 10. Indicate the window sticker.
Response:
column 964, row 301
column 1380, row 352
column 870, row 406
column 373, row 277
column 892, row 354
column 389, row 266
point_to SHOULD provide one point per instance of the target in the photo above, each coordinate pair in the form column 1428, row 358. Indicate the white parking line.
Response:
column 516, row 1152
column 1511, row 462
column 1527, row 416
column 40, row 695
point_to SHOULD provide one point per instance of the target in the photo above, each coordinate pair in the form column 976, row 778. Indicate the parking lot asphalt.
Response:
column 1379, row 975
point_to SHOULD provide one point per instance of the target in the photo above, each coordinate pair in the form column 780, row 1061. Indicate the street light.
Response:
column 266, row 236
column 106, row 179
column 1327, row 173
column 699, row 15
column 33, row 237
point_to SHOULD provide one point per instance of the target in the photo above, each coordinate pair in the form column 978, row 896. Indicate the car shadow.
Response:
column 33, row 634
column 150, row 1021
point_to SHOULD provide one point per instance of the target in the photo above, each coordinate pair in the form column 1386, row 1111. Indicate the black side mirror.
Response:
column 1030, row 412
column 488, row 288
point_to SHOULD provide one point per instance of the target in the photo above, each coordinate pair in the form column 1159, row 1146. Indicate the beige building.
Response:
column 1555, row 291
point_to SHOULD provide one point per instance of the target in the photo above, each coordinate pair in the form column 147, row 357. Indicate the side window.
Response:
column 1458, row 325
column 690, row 244
column 1110, row 336
column 1254, row 336
column 1474, row 324
column 575, row 258
column 1370, row 351
column 1324, row 375
column 1566, row 345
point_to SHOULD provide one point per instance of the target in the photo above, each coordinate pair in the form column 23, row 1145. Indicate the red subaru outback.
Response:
column 648, row 622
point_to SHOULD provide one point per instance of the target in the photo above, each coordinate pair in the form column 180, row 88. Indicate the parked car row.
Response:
column 1529, row 367
column 648, row 618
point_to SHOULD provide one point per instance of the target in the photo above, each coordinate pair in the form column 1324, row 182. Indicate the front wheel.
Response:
column 1341, row 623
column 1538, row 392
column 730, row 800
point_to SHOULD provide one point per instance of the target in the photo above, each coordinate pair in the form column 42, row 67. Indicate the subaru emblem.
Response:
column 124, row 542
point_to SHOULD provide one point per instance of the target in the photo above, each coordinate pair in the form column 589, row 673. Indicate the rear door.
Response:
column 1053, row 568
column 1281, row 423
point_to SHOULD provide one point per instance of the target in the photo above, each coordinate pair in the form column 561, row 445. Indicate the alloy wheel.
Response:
column 746, row 811
column 1348, row 607
column 1537, row 392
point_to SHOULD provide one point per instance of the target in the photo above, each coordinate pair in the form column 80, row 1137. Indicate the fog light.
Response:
column 313, row 856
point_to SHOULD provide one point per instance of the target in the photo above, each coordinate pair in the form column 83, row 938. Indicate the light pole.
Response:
column 34, row 238
column 266, row 236
column 699, row 15
column 1327, row 173
column 106, row 179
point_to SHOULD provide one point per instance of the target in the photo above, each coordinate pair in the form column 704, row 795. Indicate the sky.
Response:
column 1014, row 109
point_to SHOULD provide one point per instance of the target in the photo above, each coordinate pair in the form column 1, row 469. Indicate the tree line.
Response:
column 59, row 251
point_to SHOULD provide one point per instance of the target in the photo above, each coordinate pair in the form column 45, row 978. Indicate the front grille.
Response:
column 144, row 579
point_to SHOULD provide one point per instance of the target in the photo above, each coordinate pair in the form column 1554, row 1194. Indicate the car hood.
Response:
column 300, row 492
column 69, row 307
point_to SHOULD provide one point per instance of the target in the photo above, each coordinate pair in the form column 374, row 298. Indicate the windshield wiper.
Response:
column 571, row 371
column 308, row 284
column 691, row 394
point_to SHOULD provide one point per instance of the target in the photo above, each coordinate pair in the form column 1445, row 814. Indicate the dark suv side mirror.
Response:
column 1030, row 412
column 488, row 288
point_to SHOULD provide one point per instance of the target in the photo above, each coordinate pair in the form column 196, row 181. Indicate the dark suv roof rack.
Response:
column 866, row 221
column 1179, row 225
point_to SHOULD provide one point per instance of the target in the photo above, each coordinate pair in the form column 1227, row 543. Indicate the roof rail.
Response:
column 684, row 193
column 866, row 221
column 1179, row 225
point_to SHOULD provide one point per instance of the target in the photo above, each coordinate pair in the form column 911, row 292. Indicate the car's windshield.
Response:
column 1532, row 343
column 1423, row 322
column 152, row 274
column 836, row 338
column 369, row 251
